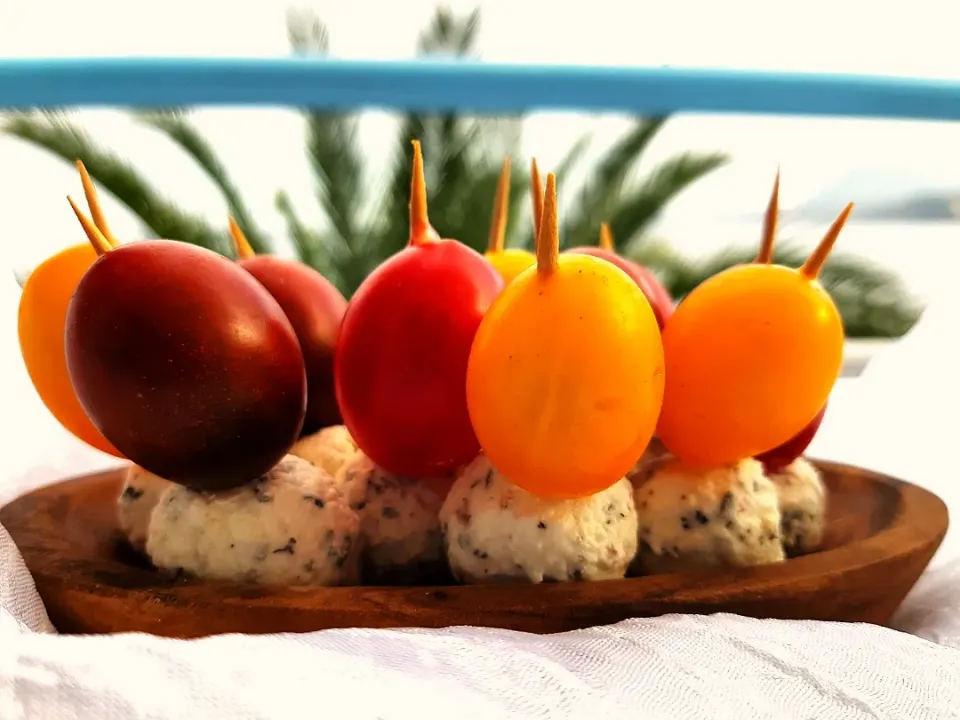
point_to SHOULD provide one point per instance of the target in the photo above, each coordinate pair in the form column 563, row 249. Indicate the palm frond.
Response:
column 467, row 205
column 601, row 194
column 520, row 232
column 447, row 141
column 308, row 246
column 448, row 33
column 572, row 157
column 55, row 134
column 306, row 33
column 643, row 204
column 175, row 125
column 452, row 141
column 332, row 147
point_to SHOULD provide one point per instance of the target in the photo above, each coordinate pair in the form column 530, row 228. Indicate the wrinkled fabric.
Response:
column 717, row 667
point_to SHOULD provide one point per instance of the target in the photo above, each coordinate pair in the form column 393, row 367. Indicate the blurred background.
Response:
column 683, row 194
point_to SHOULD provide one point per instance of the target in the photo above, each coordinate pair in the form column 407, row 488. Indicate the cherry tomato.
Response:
column 752, row 355
column 566, row 373
column 401, row 360
column 41, row 321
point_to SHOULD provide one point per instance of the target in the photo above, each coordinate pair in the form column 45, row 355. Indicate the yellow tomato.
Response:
column 565, row 377
column 41, row 321
column 510, row 262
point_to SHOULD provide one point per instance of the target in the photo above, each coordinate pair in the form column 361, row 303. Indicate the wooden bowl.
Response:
column 881, row 533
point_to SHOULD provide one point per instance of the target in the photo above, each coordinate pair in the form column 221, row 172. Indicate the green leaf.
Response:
column 521, row 234
column 306, row 33
column 310, row 248
column 643, row 204
column 449, row 34
column 332, row 148
column 448, row 142
column 600, row 196
column 53, row 133
column 175, row 125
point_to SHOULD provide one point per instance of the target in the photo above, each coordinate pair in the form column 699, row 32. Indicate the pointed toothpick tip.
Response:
column 606, row 238
column 536, row 193
column 501, row 203
column 548, row 239
column 93, row 204
column 240, row 242
column 818, row 258
column 419, row 220
column 770, row 220
column 99, row 243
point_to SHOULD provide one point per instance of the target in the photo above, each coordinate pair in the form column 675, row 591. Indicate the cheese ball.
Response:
column 803, row 506
column 496, row 532
column 690, row 519
column 399, row 523
column 330, row 448
column 139, row 496
column 293, row 526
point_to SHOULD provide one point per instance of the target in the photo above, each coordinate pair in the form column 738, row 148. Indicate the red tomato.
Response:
column 401, row 362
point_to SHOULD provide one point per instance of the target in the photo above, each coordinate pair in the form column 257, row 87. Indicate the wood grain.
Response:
column 881, row 534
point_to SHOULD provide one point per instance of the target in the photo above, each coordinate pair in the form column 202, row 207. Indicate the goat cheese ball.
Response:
column 496, row 532
column 292, row 526
column 330, row 448
column 803, row 506
column 690, row 519
column 139, row 496
column 399, row 523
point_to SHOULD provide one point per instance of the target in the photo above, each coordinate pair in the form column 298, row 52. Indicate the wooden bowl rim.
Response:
column 921, row 519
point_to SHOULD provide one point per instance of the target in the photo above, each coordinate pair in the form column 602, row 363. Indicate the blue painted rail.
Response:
column 436, row 85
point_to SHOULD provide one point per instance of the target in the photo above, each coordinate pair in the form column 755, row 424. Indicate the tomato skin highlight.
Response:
column 401, row 361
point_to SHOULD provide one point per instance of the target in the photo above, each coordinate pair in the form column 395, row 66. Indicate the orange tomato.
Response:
column 565, row 376
column 40, row 326
column 752, row 355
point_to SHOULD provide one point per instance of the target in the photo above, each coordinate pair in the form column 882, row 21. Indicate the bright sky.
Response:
column 916, row 38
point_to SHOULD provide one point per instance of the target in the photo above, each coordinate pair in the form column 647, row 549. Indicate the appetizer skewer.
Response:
column 565, row 414
column 403, row 349
column 750, row 329
column 752, row 355
column 158, row 365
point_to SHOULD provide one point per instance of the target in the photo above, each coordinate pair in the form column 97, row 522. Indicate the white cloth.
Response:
column 716, row 667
